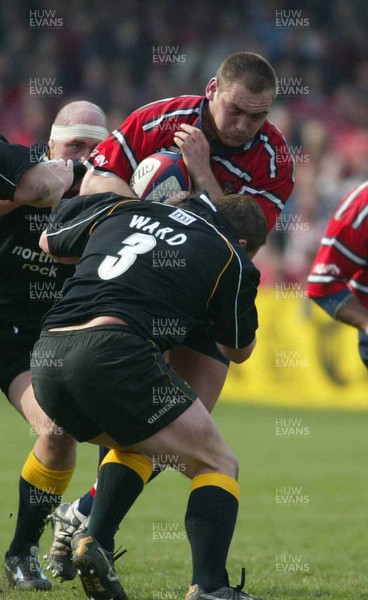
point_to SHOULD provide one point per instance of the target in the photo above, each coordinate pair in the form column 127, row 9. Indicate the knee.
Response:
column 57, row 443
column 228, row 464
column 215, row 457
column 232, row 464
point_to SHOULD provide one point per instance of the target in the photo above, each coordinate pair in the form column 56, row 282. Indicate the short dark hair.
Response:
column 251, row 69
column 246, row 218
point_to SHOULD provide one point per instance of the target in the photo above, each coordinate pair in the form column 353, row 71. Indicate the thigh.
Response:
column 192, row 443
column 205, row 374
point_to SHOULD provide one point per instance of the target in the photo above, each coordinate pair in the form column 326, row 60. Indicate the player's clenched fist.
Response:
column 194, row 148
column 63, row 170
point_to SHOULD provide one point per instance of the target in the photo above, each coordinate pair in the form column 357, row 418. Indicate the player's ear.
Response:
column 211, row 88
column 51, row 145
column 243, row 243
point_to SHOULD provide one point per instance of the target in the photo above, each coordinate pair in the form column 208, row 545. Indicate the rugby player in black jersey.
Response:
column 117, row 316
column 30, row 281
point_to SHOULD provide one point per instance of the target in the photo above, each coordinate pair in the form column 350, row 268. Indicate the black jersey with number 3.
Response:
column 163, row 270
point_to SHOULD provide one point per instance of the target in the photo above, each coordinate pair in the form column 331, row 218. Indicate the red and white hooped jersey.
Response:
column 342, row 259
column 262, row 168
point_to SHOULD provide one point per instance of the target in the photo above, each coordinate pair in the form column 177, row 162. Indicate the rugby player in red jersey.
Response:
column 227, row 143
column 338, row 280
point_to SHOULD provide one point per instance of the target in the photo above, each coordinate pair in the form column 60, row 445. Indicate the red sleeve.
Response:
column 121, row 153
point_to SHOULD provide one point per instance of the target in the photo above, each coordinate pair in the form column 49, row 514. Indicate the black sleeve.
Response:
column 70, row 223
column 232, row 307
column 15, row 160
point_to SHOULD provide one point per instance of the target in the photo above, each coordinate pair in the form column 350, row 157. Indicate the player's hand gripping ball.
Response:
column 161, row 176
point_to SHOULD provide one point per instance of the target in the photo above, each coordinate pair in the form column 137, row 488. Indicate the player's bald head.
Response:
column 77, row 129
column 83, row 112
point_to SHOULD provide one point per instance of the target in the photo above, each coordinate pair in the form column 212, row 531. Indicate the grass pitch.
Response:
column 302, row 523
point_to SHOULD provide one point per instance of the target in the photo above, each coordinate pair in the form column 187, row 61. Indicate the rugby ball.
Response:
column 160, row 176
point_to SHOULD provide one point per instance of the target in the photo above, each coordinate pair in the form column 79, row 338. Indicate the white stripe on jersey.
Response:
column 81, row 222
column 358, row 286
column 239, row 280
column 121, row 139
column 208, row 201
column 287, row 146
column 326, row 241
column 8, row 180
column 360, row 218
column 240, row 267
column 272, row 154
column 267, row 195
column 238, row 172
column 349, row 200
column 182, row 112
column 321, row 278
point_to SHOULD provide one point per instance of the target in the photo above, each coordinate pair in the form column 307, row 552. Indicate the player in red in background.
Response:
column 338, row 281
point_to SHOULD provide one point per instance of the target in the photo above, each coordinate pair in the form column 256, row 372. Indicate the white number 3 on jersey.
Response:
column 113, row 266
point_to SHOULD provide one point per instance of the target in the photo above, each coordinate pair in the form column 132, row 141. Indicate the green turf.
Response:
column 327, row 534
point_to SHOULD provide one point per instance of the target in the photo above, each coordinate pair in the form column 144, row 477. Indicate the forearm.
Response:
column 98, row 184
column 39, row 187
column 207, row 181
column 353, row 313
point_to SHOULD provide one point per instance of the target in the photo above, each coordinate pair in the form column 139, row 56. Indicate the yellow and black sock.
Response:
column 210, row 521
column 121, row 479
column 40, row 491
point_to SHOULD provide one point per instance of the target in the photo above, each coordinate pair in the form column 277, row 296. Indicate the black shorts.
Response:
column 106, row 379
column 15, row 351
column 200, row 339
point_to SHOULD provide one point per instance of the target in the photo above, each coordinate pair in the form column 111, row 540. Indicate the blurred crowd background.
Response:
column 103, row 51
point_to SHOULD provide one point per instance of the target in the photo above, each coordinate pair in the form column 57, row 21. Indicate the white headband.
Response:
column 64, row 132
